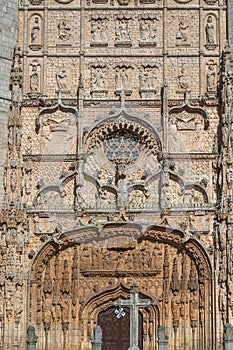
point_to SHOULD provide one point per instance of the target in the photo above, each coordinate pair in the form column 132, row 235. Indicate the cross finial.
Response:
column 122, row 96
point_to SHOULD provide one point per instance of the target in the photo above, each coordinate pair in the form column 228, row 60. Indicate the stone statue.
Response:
column 62, row 79
column 64, row 31
column 123, row 81
column 209, row 29
column 211, row 78
column 31, row 338
column 98, row 79
column 98, row 32
column 35, row 32
column 183, row 79
column 228, row 330
column 123, row 33
column 181, row 35
column 147, row 79
column 34, row 82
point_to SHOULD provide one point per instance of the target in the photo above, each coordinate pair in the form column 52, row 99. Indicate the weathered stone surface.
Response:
column 118, row 171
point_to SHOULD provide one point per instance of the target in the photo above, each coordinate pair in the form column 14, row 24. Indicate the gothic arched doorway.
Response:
column 116, row 331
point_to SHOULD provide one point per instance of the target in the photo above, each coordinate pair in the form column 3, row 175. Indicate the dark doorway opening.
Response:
column 116, row 331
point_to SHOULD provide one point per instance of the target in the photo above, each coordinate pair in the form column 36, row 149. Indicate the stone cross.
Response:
column 134, row 303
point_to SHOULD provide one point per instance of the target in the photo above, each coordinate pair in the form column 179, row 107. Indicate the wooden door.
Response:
column 116, row 331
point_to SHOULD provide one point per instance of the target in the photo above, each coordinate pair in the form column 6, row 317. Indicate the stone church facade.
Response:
column 118, row 173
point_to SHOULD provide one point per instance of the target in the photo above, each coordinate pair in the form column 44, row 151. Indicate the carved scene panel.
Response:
column 65, row 282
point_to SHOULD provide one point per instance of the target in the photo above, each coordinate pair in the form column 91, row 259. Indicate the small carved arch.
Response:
column 199, row 189
column 104, row 300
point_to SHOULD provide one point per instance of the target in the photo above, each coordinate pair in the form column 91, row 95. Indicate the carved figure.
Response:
column 31, row 338
column 98, row 31
column 123, row 33
column 181, row 35
column 35, row 32
column 62, row 79
column 147, row 79
column 209, row 29
column 183, row 79
column 211, row 78
column 98, row 79
column 123, row 81
column 64, row 30
column 144, row 30
column 34, row 82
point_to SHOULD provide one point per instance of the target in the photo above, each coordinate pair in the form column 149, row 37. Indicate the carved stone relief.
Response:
column 182, row 80
column 211, row 79
column 58, row 132
column 62, row 83
column 36, row 33
column 148, row 30
column 99, row 30
column 182, row 35
column 64, row 30
column 147, row 78
column 64, row 283
column 186, row 133
column 210, row 30
column 35, row 79
column 99, row 80
column 123, row 78
column 123, row 31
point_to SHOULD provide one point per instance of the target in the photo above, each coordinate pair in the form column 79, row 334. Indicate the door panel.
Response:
column 116, row 332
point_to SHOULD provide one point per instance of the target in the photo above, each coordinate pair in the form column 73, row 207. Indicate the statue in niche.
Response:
column 35, row 32
column 181, row 35
column 144, row 30
column 183, row 82
column 34, row 81
column 98, row 31
column 148, row 29
column 64, row 30
column 147, row 79
column 210, row 37
column 98, row 79
column 62, row 79
column 123, row 33
column 123, row 81
column 211, row 78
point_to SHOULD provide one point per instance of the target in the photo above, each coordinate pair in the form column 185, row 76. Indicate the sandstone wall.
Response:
column 8, row 37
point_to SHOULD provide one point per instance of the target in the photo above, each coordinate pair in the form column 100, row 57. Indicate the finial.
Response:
column 186, row 95
column 59, row 96
column 122, row 97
